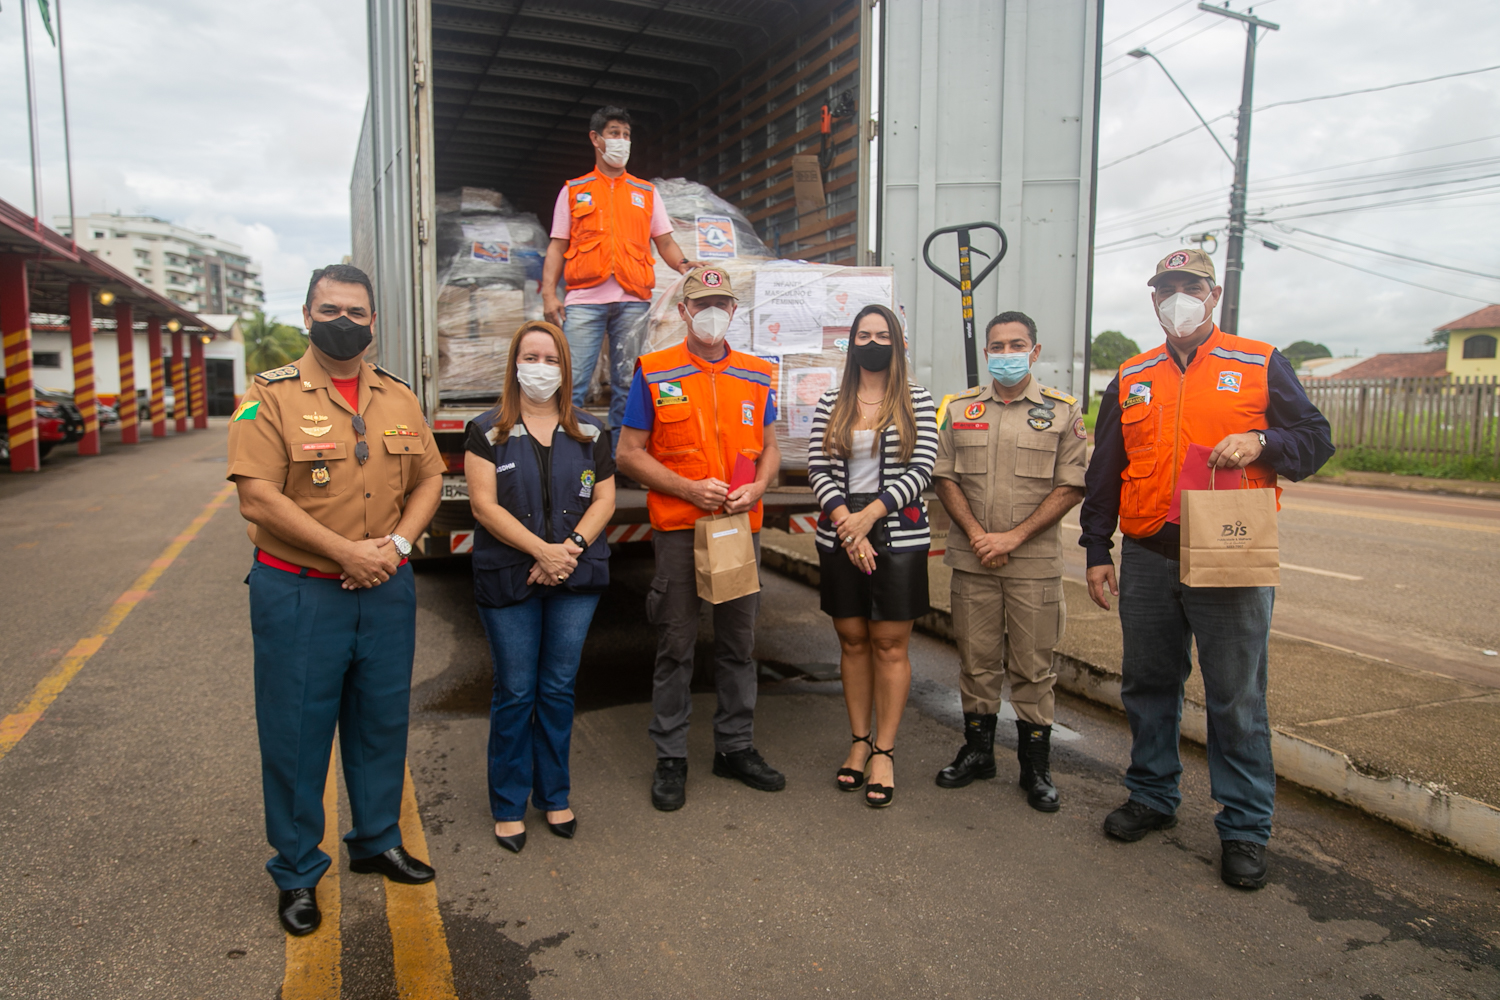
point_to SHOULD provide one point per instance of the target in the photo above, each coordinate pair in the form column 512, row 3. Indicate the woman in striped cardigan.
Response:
column 870, row 456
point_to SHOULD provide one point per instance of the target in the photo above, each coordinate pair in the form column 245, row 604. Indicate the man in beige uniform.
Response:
column 336, row 470
column 1011, row 457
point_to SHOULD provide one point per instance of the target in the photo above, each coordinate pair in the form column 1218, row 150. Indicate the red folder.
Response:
column 744, row 473
column 1194, row 476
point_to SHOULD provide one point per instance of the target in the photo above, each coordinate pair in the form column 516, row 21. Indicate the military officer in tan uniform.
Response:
column 1011, row 457
column 336, row 471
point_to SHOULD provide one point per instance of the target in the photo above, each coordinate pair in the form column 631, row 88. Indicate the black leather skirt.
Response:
column 895, row 592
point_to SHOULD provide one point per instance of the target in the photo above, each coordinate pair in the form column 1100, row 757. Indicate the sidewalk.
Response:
column 1415, row 748
column 1416, row 484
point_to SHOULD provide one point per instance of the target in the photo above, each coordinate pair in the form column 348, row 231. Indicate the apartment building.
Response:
column 198, row 271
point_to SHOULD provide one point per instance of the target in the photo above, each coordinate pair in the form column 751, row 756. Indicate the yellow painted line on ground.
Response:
column 312, row 962
column 16, row 725
column 424, row 970
column 1430, row 522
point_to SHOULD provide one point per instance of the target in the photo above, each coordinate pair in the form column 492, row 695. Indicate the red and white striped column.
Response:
column 125, row 343
column 81, row 327
column 20, row 399
column 198, row 382
column 158, row 378
column 179, row 384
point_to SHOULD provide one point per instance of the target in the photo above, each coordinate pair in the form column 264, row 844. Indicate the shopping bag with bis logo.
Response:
column 1229, row 538
column 724, row 558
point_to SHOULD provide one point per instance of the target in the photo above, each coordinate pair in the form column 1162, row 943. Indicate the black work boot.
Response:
column 669, row 784
column 1033, row 748
column 749, row 767
column 1242, row 864
column 976, row 759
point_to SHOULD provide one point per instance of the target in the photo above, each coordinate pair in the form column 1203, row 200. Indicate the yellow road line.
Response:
column 17, row 724
column 1373, row 516
column 312, row 962
column 424, row 970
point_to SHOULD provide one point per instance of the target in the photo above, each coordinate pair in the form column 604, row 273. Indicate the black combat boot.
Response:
column 1033, row 748
column 977, row 757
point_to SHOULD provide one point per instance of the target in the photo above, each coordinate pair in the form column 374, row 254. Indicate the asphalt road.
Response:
column 131, row 822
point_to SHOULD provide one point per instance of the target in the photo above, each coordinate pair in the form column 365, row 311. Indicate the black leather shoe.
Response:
column 298, row 910
column 1242, row 864
column 396, row 865
column 669, row 786
column 1033, row 750
column 512, row 843
column 749, row 767
column 976, row 758
column 1134, row 820
column 565, row 829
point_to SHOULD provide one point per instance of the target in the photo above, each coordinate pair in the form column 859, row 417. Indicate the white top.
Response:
column 864, row 468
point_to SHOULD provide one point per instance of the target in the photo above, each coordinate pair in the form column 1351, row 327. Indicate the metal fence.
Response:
column 1431, row 417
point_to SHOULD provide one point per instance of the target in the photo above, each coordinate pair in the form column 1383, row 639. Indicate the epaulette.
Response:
column 1059, row 395
column 279, row 374
column 974, row 391
column 390, row 375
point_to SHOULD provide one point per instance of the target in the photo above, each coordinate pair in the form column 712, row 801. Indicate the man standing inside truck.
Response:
column 698, row 435
column 602, row 226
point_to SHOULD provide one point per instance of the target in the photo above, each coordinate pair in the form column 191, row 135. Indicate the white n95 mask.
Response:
column 711, row 324
column 617, row 152
column 1181, row 314
column 539, row 381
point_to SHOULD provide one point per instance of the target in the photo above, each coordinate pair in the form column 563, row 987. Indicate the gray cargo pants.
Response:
column 673, row 606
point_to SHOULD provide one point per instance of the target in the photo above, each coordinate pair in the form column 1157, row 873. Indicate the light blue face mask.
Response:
column 1008, row 369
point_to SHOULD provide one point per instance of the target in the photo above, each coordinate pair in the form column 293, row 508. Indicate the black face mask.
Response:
column 872, row 357
column 341, row 339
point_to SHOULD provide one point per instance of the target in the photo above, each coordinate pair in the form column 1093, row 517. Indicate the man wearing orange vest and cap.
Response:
column 603, row 226
column 1241, row 399
column 698, row 414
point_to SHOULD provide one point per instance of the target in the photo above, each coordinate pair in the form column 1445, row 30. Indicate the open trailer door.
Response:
column 988, row 111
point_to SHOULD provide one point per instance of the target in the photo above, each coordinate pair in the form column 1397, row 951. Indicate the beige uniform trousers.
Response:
column 1006, row 625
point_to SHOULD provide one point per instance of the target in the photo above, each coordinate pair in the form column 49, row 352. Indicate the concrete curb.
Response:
column 1416, row 484
column 1429, row 811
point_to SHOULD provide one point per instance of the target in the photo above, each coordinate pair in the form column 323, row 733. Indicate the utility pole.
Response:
column 31, row 122
column 1234, row 265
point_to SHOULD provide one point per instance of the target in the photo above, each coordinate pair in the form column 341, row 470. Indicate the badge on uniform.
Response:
column 637, row 199
column 1038, row 424
column 314, row 418
column 962, row 426
column 1230, row 381
column 747, row 413
column 247, row 410
column 320, row 475
column 1040, row 412
column 973, row 411
column 668, row 393
column 585, row 198
column 1080, row 430
column 316, row 432
column 586, row 482
column 1140, row 392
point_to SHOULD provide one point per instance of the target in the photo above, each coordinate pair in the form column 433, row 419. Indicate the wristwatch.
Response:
column 1262, row 436
column 578, row 540
column 402, row 545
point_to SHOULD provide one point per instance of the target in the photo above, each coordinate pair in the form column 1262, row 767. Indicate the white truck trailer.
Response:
column 924, row 114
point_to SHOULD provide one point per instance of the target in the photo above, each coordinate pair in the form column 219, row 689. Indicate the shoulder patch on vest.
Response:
column 279, row 374
column 1059, row 395
column 391, row 376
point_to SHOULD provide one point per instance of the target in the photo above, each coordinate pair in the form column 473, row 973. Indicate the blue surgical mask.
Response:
column 1008, row 369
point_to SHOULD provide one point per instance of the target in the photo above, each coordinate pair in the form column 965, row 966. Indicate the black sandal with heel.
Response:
column 887, row 793
column 849, row 772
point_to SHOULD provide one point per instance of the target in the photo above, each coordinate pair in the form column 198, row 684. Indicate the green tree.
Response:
column 1438, row 340
column 1304, row 350
column 1112, row 349
column 270, row 343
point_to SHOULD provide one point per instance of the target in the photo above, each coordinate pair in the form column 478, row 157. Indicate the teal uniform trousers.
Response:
column 326, row 657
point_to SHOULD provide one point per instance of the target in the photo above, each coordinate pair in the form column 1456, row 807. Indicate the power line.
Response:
column 1143, row 24
column 1391, row 253
column 1300, row 100
column 1394, row 190
column 1381, row 206
column 1344, row 263
column 1164, row 34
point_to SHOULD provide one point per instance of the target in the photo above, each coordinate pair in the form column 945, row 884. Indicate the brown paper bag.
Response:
column 1229, row 538
column 724, row 558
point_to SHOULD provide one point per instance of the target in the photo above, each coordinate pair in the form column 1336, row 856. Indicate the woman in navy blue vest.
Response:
column 541, row 484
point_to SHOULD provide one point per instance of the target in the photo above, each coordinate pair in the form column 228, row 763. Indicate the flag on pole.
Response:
column 46, row 8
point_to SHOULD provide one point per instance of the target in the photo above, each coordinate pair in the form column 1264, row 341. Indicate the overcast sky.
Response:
column 241, row 119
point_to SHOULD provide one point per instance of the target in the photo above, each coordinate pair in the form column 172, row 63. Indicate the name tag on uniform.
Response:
column 981, row 426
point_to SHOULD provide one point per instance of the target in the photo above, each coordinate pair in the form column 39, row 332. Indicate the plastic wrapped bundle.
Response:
column 794, row 314
column 489, row 264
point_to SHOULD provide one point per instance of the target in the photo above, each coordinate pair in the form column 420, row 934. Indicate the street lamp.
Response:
column 1141, row 53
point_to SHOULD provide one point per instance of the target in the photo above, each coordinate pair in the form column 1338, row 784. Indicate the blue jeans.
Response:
column 1160, row 618
column 535, row 646
column 586, row 327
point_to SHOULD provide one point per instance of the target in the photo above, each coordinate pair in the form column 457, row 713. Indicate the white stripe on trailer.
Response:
column 803, row 524
column 628, row 533
column 460, row 542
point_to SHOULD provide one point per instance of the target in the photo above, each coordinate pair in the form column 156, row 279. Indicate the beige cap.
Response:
column 1186, row 261
column 705, row 281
